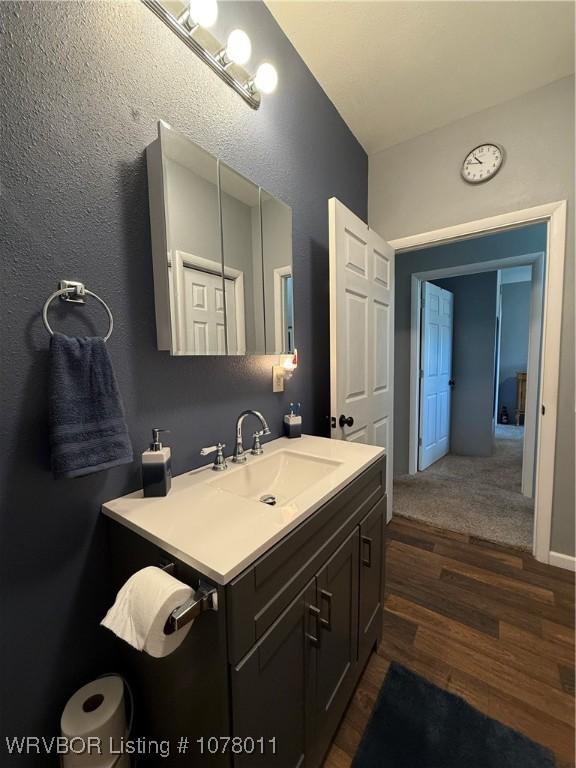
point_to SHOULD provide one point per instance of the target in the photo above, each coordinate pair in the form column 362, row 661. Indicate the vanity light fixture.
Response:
column 190, row 20
column 202, row 13
column 238, row 47
column 266, row 78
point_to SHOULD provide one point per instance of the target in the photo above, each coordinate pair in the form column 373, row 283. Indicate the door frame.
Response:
column 554, row 214
column 537, row 262
column 279, row 306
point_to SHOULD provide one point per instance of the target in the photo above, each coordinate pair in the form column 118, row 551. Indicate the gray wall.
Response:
column 416, row 187
column 82, row 85
column 515, row 326
column 473, row 362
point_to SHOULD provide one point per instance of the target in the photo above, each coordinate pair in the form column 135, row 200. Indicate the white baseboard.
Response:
column 562, row 561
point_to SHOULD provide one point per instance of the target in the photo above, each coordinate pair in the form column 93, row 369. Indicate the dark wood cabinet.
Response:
column 272, row 688
column 276, row 665
column 371, row 577
column 295, row 682
column 337, row 599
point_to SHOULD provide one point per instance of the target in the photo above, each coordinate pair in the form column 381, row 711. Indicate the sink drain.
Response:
column 268, row 499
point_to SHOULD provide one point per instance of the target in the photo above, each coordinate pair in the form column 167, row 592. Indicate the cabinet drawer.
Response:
column 258, row 596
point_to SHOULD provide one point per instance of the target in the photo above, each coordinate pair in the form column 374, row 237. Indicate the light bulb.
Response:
column 266, row 78
column 203, row 12
column 238, row 47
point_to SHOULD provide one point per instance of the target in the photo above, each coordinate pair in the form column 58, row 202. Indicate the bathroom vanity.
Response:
column 299, row 587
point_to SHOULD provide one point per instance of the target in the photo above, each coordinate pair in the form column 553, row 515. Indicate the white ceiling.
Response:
column 395, row 70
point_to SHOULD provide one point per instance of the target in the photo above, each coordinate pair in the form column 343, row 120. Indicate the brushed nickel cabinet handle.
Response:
column 314, row 612
column 327, row 597
column 367, row 546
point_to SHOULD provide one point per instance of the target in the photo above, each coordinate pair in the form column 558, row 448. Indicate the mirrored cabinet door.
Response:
column 222, row 255
column 194, row 250
column 242, row 248
column 277, row 271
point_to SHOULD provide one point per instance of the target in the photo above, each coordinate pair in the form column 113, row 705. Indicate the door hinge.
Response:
column 543, row 410
column 419, row 441
column 421, row 373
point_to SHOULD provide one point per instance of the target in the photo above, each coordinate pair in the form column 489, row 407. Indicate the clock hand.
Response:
column 477, row 160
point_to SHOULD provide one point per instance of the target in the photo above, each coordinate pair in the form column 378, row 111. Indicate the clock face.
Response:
column 482, row 163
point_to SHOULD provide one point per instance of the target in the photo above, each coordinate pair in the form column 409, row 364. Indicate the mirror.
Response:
column 192, row 254
column 277, row 274
column 222, row 255
column 242, row 247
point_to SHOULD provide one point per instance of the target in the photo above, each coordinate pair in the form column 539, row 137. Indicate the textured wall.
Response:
column 515, row 326
column 416, row 187
column 82, row 85
column 473, row 343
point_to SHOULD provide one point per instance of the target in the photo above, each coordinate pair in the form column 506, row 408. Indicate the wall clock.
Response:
column 482, row 163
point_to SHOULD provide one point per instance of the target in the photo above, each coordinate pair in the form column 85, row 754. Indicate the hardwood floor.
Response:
column 487, row 623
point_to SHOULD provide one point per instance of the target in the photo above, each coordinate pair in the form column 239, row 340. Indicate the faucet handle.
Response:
column 219, row 460
column 211, row 449
column 257, row 449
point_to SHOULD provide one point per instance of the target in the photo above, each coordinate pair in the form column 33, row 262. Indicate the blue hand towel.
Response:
column 88, row 432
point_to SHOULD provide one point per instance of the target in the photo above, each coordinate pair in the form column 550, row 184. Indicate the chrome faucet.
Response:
column 239, row 455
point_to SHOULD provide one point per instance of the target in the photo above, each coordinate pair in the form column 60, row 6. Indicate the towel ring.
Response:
column 78, row 290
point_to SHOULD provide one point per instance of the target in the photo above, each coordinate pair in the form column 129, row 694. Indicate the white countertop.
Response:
column 219, row 533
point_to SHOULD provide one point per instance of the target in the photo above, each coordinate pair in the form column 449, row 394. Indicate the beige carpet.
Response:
column 479, row 496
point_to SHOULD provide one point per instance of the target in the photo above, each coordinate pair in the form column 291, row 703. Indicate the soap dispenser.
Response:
column 293, row 421
column 156, row 467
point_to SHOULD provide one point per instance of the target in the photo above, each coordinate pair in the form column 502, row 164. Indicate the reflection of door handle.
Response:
column 346, row 422
column 451, row 383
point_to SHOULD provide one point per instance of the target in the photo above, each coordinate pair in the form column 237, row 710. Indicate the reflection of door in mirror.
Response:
column 278, row 279
column 241, row 240
column 222, row 255
column 197, row 316
column 195, row 279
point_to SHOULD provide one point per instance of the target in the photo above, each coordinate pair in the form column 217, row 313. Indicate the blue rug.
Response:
column 417, row 725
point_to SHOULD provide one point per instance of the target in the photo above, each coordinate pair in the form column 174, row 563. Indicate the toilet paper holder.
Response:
column 205, row 598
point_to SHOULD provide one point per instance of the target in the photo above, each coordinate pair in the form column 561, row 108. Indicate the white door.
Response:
column 361, row 334
column 435, row 374
column 198, row 313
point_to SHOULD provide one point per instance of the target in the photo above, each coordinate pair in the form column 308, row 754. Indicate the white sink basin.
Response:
column 214, row 521
column 282, row 475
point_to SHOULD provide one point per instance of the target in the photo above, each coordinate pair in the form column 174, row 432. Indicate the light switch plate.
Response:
column 277, row 378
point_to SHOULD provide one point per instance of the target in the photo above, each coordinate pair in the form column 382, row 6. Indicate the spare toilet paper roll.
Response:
column 142, row 608
column 95, row 711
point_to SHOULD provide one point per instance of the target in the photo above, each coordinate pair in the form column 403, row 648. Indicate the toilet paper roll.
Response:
column 95, row 711
column 142, row 608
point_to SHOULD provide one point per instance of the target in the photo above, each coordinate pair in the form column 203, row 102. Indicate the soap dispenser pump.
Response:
column 157, row 467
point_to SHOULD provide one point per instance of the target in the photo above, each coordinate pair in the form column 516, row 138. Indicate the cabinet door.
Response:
column 371, row 578
column 337, row 596
column 272, row 687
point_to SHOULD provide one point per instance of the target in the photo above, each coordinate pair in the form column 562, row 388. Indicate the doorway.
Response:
column 553, row 217
column 474, row 331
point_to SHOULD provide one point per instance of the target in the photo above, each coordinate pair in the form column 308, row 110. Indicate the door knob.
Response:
column 346, row 422
column 451, row 383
